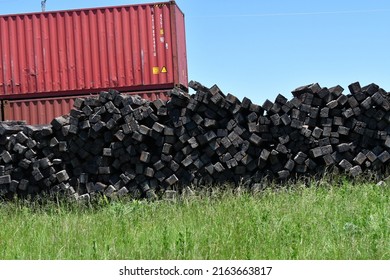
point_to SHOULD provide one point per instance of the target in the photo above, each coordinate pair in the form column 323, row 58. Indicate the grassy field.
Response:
column 343, row 221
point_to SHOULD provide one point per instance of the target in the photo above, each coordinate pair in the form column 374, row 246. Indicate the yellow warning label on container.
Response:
column 156, row 70
column 163, row 69
column 161, row 31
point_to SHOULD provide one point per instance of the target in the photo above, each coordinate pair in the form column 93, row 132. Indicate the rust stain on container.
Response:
column 86, row 50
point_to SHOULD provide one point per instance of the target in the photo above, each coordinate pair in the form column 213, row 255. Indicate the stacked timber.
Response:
column 28, row 164
column 118, row 145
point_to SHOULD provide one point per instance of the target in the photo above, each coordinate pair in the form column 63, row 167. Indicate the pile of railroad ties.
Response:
column 119, row 145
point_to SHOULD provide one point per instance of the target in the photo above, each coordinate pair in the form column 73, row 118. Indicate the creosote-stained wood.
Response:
column 118, row 145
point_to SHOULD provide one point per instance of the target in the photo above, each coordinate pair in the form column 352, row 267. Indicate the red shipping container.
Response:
column 44, row 110
column 128, row 48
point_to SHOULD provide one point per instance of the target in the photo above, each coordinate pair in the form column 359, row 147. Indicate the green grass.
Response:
column 348, row 221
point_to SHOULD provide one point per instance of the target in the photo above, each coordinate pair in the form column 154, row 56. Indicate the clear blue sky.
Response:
column 259, row 48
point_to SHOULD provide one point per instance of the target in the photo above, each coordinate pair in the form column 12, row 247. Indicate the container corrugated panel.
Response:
column 36, row 111
column 128, row 48
column 44, row 110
